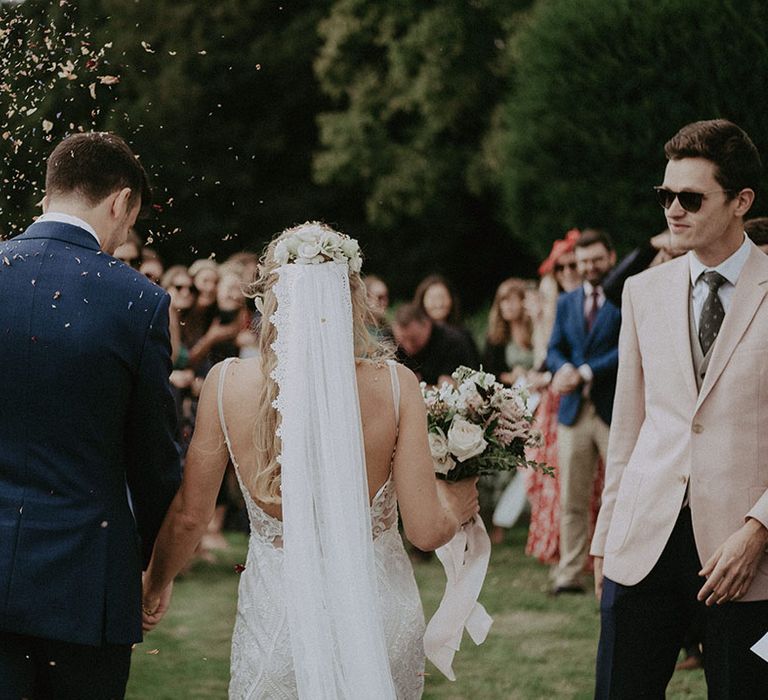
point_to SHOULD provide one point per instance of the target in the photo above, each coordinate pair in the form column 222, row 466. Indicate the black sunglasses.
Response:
column 190, row 287
column 570, row 266
column 690, row 201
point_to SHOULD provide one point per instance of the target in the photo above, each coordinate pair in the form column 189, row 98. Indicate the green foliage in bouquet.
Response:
column 479, row 426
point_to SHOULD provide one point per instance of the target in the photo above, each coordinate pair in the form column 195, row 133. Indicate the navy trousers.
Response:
column 42, row 669
column 643, row 628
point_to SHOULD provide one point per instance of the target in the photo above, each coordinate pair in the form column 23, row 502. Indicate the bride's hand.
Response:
column 154, row 606
column 460, row 497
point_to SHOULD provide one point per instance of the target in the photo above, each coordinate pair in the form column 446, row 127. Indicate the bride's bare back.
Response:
column 241, row 386
column 404, row 452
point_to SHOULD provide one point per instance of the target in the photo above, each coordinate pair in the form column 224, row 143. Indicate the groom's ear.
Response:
column 121, row 203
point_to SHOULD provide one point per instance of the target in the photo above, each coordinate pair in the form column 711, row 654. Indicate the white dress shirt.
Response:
column 588, row 290
column 68, row 219
column 585, row 370
column 730, row 268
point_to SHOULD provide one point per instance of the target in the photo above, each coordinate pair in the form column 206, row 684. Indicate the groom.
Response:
column 88, row 464
column 683, row 522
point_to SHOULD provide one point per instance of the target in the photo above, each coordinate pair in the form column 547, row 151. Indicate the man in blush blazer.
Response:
column 583, row 357
column 685, row 507
column 87, row 416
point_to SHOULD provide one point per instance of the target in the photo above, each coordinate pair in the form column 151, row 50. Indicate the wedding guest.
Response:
column 431, row 350
column 757, row 231
column 509, row 348
column 508, row 355
column 559, row 275
column 684, row 520
column 377, row 294
column 178, row 283
column 583, row 358
column 232, row 313
column 130, row 251
column 205, row 275
column 657, row 250
column 437, row 298
column 152, row 269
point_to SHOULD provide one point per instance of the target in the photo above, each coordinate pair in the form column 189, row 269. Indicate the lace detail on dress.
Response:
column 262, row 657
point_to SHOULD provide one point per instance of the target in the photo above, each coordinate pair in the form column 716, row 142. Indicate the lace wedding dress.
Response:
column 262, row 661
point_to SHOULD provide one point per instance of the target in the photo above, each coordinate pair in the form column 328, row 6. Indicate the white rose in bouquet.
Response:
column 438, row 445
column 465, row 440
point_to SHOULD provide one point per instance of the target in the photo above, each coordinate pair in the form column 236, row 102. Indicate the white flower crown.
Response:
column 312, row 244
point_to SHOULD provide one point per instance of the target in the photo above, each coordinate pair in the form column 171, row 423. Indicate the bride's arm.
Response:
column 432, row 510
column 194, row 504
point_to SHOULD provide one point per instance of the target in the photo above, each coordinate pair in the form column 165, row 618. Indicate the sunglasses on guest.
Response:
column 690, row 201
column 560, row 267
column 182, row 287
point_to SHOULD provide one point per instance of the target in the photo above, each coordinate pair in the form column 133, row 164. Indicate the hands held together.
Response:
column 154, row 605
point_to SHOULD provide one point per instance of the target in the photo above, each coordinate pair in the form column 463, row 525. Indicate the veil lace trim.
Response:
column 337, row 638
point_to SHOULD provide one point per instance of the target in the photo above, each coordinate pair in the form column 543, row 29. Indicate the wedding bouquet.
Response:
column 478, row 426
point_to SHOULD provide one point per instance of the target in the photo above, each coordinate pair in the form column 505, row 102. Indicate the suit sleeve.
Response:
column 559, row 349
column 153, row 467
column 628, row 417
column 605, row 363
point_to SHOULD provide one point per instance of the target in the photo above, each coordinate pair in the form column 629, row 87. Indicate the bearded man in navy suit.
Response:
column 88, row 465
column 583, row 356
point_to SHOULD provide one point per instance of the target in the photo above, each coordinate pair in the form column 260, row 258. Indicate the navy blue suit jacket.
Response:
column 599, row 349
column 86, row 414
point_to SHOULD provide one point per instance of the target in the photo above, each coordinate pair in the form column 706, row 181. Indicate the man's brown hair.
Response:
column 737, row 162
column 757, row 230
column 407, row 314
column 94, row 165
column 590, row 236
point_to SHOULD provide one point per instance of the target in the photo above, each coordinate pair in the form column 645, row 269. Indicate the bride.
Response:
column 328, row 438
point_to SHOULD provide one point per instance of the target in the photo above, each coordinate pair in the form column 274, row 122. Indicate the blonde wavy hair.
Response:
column 265, row 484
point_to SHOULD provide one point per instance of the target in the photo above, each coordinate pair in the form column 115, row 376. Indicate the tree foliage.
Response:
column 601, row 86
column 414, row 86
column 217, row 98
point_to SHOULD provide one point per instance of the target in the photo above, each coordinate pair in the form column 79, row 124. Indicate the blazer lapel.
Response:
column 675, row 306
column 578, row 315
column 750, row 290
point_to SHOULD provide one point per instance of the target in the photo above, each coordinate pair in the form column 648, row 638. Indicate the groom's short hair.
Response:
column 737, row 161
column 93, row 165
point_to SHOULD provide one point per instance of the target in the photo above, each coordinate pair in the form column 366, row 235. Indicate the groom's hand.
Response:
column 598, row 564
column 732, row 567
column 154, row 607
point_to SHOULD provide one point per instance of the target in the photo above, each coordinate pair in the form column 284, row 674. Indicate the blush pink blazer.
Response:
column 666, row 435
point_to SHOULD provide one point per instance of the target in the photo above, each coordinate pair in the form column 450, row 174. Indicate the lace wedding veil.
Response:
column 337, row 637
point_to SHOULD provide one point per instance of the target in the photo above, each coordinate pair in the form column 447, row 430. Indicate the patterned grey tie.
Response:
column 712, row 313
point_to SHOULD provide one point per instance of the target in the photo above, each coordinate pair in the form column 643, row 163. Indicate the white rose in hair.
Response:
column 309, row 233
column 465, row 439
column 350, row 247
column 355, row 263
column 281, row 253
column 330, row 240
column 309, row 249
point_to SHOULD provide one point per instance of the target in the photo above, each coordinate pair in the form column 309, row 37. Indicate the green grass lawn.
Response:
column 538, row 647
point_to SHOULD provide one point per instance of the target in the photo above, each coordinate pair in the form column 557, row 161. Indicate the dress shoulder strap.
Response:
column 395, row 390
column 220, row 394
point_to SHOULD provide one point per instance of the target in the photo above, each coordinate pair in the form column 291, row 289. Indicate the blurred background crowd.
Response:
column 212, row 318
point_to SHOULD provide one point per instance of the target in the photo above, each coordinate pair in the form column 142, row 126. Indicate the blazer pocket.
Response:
column 623, row 510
